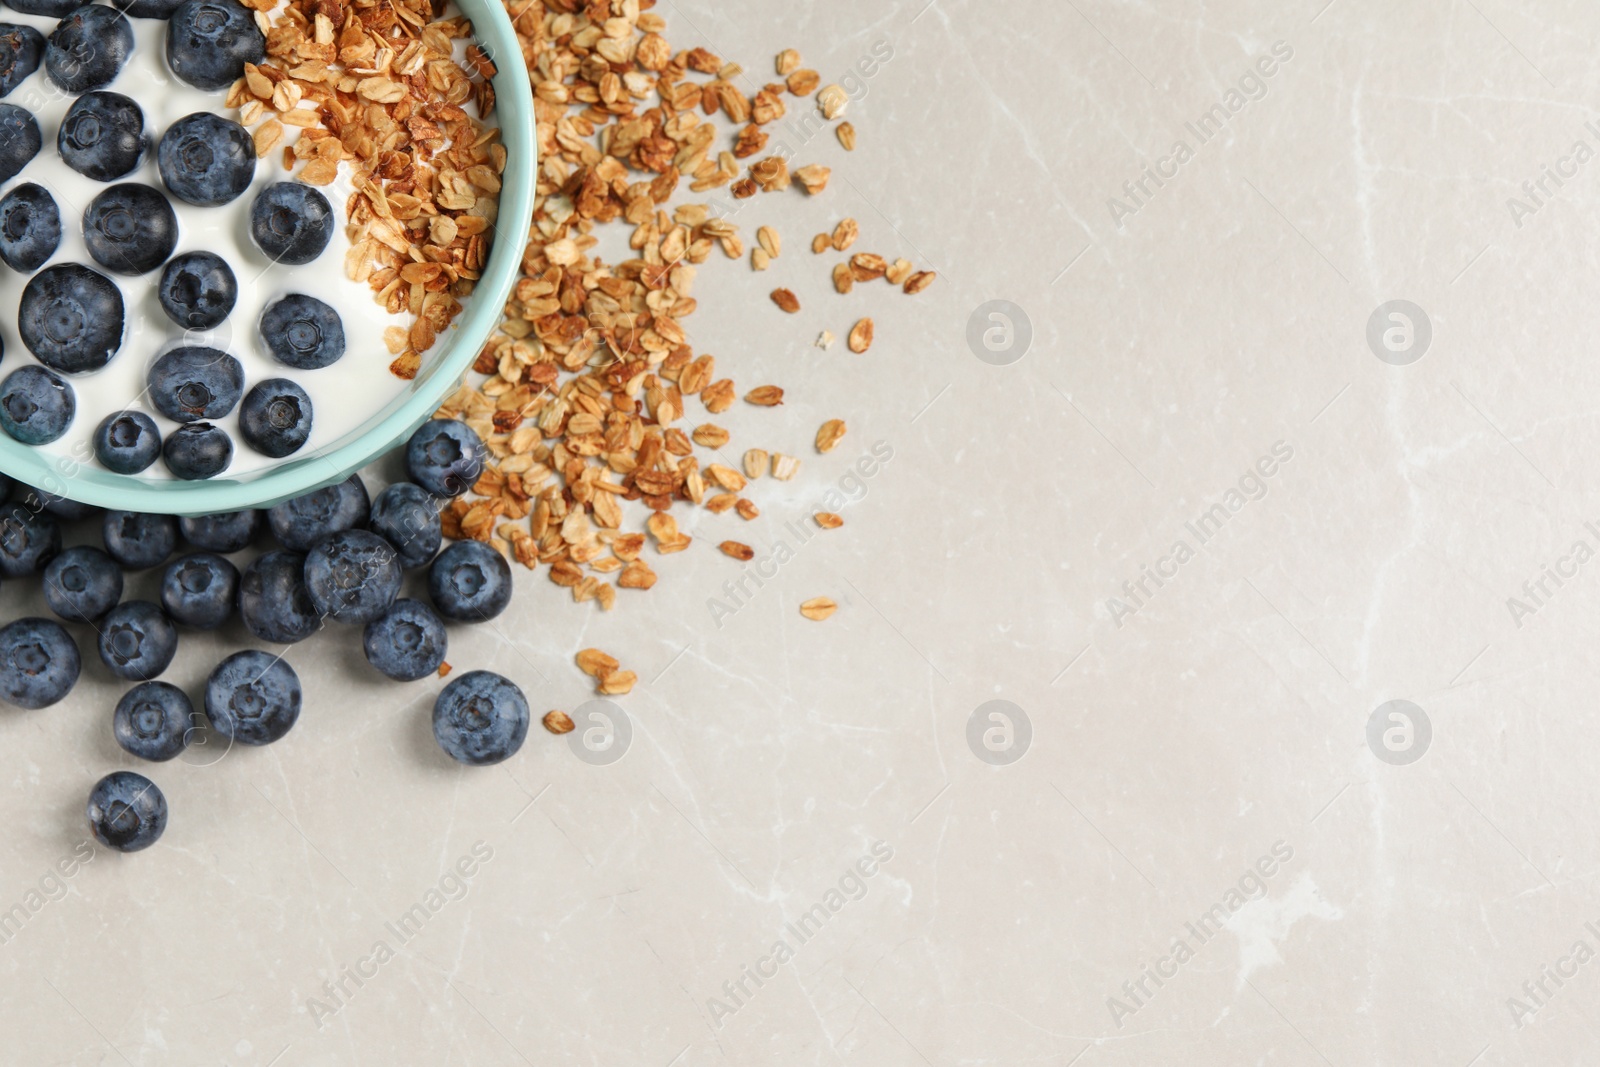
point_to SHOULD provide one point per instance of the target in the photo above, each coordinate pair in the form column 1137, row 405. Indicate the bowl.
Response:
column 443, row 368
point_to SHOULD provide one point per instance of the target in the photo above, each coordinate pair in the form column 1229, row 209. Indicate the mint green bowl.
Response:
column 443, row 368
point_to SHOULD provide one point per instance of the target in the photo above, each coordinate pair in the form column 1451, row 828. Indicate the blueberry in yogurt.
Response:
column 127, row 442
column 197, row 290
column 20, row 140
column 303, row 332
column 82, row 584
column 273, row 601
column 21, row 52
column 130, row 229
column 206, row 160
column 275, row 418
column 253, row 697
column 226, row 531
column 210, row 41
column 88, row 48
column 127, row 812
column 39, row 663
column 194, row 382
column 36, row 405
column 136, row 640
column 290, row 221
column 197, row 450
column 153, row 720
column 102, row 136
column 30, row 228
column 71, row 318
column 138, row 540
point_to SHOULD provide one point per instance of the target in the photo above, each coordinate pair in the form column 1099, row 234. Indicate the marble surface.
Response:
column 1173, row 507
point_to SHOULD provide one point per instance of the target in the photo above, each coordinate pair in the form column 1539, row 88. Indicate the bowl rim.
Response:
column 56, row 474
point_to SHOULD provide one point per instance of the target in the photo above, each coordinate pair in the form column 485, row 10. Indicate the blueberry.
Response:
column 63, row 508
column 407, row 642
column 30, row 228
column 138, row 541
column 52, row 8
column 137, row 640
column 39, row 663
column 273, row 600
column 127, row 812
column 28, row 540
column 291, row 222
column 147, row 9
column 88, row 48
column 408, row 518
column 480, row 718
column 71, row 318
column 130, row 229
column 197, row 290
column 192, row 383
column 352, row 576
column 226, row 531
column 21, row 51
column 82, row 584
column 36, row 405
column 206, row 160
column 20, row 140
column 445, row 457
column 275, row 419
column 200, row 590
column 102, row 136
column 470, row 582
column 127, row 442
column 303, row 521
column 253, row 697
column 197, row 450
column 210, row 41
column 303, row 332
column 153, row 720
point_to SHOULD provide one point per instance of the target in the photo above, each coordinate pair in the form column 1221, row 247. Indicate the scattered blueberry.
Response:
column 407, row 642
column 445, row 457
column 21, row 51
column 82, row 584
column 30, row 228
column 137, row 540
column 71, row 318
column 275, row 418
column 53, row 8
column 273, row 601
column 28, row 540
column 480, row 718
column 408, row 518
column 192, row 383
column 206, row 159
column 227, row 531
column 102, row 136
column 39, row 663
column 200, row 590
column 127, row 442
column 137, row 640
column 470, row 582
column 20, row 140
column 197, row 290
column 127, row 812
column 290, row 221
column 303, row 521
column 253, row 697
column 36, row 405
column 197, row 450
column 153, row 720
column 210, row 41
column 88, row 48
column 352, row 576
column 301, row 331
column 130, row 229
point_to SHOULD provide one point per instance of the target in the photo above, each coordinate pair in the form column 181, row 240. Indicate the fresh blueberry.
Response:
column 200, row 590
column 30, row 228
column 52, row 8
column 102, row 136
column 253, row 697
column 153, row 720
column 197, row 290
column 445, row 457
column 36, row 405
column 226, row 531
column 71, row 318
column 82, row 584
column 197, row 450
column 28, row 540
column 206, row 160
column 291, row 222
column 303, row 521
column 470, row 582
column 88, row 48
column 137, row 640
column 64, row 508
column 137, row 540
column 39, row 663
column 275, row 418
column 210, row 41
column 407, row 642
column 192, row 383
column 273, row 601
column 303, row 332
column 352, row 576
column 127, row 812
column 480, row 718
column 20, row 140
column 147, row 9
column 408, row 518
column 130, row 229
column 21, row 51
column 127, row 442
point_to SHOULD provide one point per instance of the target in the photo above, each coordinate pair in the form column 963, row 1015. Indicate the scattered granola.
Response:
column 861, row 336
column 847, row 136
column 737, row 550
column 832, row 101
column 558, row 722
column 786, row 300
column 818, row 608
column 829, row 434
column 828, row 520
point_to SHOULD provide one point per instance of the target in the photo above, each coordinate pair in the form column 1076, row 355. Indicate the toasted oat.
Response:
column 617, row 683
column 759, row 259
column 767, row 396
column 845, row 234
column 593, row 662
column 722, row 502
column 861, row 336
column 832, row 101
column 821, row 243
column 898, row 271
column 844, row 279
column 847, row 136
column 786, row 300
column 829, row 434
column 803, row 82
column 738, row 550
column 824, row 339
column 747, row 509
column 828, row 520
column 784, row 467
column 445, row 669
column 818, row 608
column 813, row 178
column 558, row 722
column 710, row 435
column 867, row 266
column 768, row 238
column 755, row 463
column 788, row 62
column 920, row 281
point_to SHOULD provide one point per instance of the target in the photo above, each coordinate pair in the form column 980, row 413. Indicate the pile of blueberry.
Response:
column 71, row 316
column 341, row 557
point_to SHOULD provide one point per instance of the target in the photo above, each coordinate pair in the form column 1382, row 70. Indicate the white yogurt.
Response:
column 343, row 396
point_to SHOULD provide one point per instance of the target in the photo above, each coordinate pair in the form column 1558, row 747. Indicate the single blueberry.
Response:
column 20, row 140
column 206, row 160
column 138, row 540
column 88, row 48
column 480, row 718
column 147, row 9
column 200, row 590
column 153, row 721
column 303, row 521
column 36, row 405
column 303, row 332
column 445, row 456
column 192, row 383
column 71, row 318
column 102, row 136
column 127, row 812
column 253, row 697
column 470, row 582
column 226, row 531
column 130, row 229
column 291, row 222
column 353, row 576
column 29, row 538
column 82, row 584
column 21, row 52
column 275, row 418
column 137, row 640
column 273, row 601
column 407, row 517
column 197, row 290
column 127, row 442
column 407, row 642
column 197, row 450
column 30, row 228
column 210, row 41
column 39, row 663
